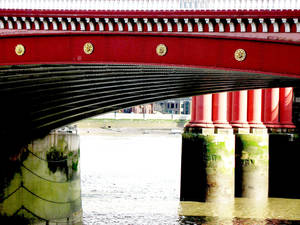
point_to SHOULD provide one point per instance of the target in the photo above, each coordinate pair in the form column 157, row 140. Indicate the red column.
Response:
column 229, row 106
column 219, row 113
column 271, row 107
column 202, row 107
column 239, row 109
column 193, row 114
column 286, row 107
column 263, row 91
column 255, row 108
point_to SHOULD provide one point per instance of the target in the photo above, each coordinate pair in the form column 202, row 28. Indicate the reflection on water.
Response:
column 242, row 211
column 134, row 179
column 234, row 221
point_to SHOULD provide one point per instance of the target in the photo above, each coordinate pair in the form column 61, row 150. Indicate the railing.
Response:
column 152, row 21
column 151, row 4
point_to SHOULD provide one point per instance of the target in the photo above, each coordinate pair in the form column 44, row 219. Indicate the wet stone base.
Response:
column 41, row 183
column 252, row 166
column 74, row 219
column 284, row 165
column 200, row 220
column 207, row 169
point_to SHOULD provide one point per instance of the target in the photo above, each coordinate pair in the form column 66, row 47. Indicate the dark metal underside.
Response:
column 38, row 98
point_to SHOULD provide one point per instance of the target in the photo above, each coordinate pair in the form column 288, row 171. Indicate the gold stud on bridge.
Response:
column 161, row 50
column 88, row 48
column 240, row 55
column 20, row 49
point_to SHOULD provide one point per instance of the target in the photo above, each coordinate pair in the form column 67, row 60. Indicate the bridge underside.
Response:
column 38, row 98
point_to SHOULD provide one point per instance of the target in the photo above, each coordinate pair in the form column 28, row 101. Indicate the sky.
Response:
column 149, row 4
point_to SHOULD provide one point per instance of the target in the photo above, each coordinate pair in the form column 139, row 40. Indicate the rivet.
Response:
column 20, row 49
column 88, row 48
column 240, row 55
column 161, row 49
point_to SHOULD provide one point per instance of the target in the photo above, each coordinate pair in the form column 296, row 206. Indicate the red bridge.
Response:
column 60, row 66
column 62, row 61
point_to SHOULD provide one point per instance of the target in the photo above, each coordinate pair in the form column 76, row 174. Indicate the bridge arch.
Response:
column 39, row 98
column 50, row 78
column 60, row 66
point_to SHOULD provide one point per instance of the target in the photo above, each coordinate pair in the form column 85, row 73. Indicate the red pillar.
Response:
column 271, row 107
column 219, row 113
column 255, row 108
column 201, row 111
column 239, row 109
column 286, row 107
column 229, row 106
column 193, row 114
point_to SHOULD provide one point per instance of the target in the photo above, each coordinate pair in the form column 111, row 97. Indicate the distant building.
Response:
column 140, row 109
column 170, row 106
column 145, row 109
column 174, row 106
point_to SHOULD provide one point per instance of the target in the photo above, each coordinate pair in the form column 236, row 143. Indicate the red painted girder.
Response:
column 288, row 38
column 154, row 14
column 276, row 54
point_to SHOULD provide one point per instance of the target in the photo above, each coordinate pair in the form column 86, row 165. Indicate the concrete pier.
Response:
column 252, row 165
column 42, row 184
column 284, row 165
column 207, row 169
column 254, row 115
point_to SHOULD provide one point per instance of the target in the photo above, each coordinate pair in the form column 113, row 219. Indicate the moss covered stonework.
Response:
column 207, row 168
column 45, row 186
column 252, row 166
column 284, row 165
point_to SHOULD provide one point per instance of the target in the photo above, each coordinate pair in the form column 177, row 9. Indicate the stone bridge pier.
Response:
column 41, row 183
column 227, row 145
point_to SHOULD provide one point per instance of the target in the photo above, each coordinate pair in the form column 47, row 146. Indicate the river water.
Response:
column 135, row 179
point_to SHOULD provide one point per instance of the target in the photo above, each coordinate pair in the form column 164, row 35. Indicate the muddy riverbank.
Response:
column 129, row 126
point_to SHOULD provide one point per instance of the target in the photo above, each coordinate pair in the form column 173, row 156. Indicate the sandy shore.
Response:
column 126, row 131
column 129, row 127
